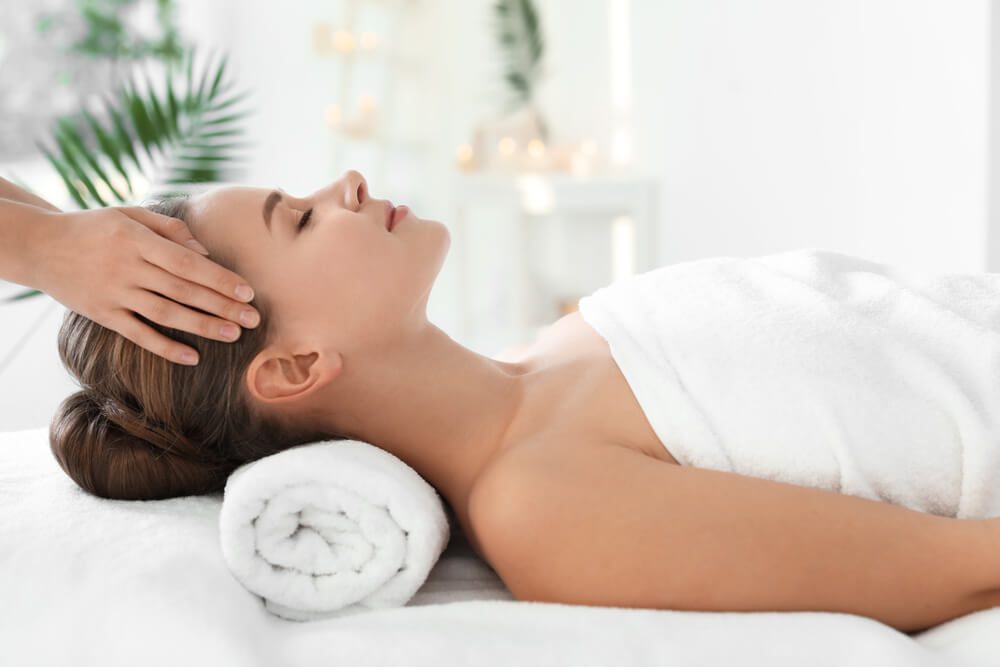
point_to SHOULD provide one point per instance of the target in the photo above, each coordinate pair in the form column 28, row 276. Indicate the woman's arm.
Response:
column 606, row 525
column 10, row 191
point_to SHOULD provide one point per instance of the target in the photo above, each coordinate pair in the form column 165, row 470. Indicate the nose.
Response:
column 355, row 189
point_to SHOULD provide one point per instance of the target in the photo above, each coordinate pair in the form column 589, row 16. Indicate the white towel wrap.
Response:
column 819, row 368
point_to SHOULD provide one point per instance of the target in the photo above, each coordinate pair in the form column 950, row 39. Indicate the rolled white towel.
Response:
column 331, row 528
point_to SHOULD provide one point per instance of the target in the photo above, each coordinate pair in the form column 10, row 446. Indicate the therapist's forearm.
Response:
column 14, row 193
column 25, row 230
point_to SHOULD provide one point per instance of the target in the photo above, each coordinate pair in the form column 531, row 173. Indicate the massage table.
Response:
column 90, row 581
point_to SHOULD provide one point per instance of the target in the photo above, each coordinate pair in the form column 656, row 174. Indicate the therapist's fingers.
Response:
column 128, row 325
column 156, row 280
column 174, row 229
column 191, row 266
column 170, row 314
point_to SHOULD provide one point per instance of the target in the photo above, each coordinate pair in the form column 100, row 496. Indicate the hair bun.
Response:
column 108, row 450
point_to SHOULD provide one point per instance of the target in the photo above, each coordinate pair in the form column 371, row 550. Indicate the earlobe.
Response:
column 277, row 376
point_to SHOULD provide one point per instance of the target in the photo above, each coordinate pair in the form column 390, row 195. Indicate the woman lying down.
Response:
column 801, row 431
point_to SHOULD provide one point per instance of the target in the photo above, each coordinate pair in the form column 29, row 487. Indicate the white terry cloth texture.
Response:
column 330, row 529
column 821, row 369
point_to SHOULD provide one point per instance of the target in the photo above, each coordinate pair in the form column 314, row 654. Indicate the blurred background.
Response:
column 566, row 143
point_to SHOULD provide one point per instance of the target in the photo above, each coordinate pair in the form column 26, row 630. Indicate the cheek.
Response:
column 329, row 273
column 349, row 250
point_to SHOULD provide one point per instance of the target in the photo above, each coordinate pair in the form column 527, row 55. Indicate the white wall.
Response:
column 857, row 125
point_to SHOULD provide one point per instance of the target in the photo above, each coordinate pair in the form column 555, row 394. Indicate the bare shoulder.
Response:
column 539, row 502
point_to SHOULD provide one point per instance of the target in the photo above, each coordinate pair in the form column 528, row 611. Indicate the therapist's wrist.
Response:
column 34, row 245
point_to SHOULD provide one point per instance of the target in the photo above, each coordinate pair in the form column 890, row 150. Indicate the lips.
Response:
column 397, row 214
column 389, row 210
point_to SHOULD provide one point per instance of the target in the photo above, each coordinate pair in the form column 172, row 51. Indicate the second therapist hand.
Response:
column 108, row 264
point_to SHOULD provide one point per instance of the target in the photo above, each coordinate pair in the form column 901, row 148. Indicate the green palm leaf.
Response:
column 185, row 134
column 169, row 137
column 27, row 294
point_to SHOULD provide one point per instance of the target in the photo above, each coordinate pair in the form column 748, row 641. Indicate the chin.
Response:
column 446, row 228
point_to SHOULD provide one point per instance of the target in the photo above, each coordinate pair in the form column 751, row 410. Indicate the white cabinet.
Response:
column 530, row 245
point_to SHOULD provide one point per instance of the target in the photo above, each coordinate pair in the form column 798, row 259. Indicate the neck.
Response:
column 441, row 408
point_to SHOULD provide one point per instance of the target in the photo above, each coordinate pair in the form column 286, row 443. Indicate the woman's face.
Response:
column 343, row 278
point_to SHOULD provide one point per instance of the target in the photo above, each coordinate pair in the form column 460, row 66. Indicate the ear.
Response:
column 280, row 376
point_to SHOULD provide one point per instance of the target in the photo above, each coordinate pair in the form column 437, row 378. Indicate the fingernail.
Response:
column 244, row 292
column 197, row 247
column 249, row 318
column 230, row 331
column 189, row 358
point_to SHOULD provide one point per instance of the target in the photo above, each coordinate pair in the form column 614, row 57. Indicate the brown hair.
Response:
column 143, row 427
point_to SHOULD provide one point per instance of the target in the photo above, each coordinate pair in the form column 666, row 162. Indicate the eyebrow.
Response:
column 269, row 203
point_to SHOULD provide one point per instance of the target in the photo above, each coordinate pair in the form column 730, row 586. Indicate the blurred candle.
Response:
column 536, row 149
column 464, row 156
column 366, row 104
column 343, row 41
column 332, row 114
column 507, row 146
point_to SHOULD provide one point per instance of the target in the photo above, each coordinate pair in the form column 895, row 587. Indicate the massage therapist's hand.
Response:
column 110, row 263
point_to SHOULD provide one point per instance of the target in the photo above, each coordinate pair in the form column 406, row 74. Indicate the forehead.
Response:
column 228, row 222
column 234, row 202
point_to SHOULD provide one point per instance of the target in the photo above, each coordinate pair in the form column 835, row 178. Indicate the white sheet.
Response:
column 86, row 581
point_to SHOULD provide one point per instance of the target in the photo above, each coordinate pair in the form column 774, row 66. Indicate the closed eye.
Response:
column 304, row 220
